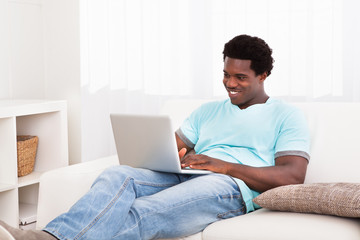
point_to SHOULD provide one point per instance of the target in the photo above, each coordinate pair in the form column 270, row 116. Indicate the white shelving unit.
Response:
column 48, row 121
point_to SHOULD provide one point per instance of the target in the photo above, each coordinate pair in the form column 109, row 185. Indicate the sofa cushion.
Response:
column 273, row 225
column 197, row 236
column 340, row 199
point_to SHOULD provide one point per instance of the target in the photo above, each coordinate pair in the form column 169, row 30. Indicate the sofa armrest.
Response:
column 60, row 188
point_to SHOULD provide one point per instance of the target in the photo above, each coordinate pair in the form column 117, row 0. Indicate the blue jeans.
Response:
column 130, row 203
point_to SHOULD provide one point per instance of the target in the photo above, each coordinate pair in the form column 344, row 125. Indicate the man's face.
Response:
column 243, row 86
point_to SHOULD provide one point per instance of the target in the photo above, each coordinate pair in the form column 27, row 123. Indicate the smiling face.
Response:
column 243, row 86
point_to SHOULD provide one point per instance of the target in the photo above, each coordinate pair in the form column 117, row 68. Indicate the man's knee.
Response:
column 116, row 173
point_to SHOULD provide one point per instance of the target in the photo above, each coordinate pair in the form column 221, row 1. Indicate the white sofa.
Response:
column 335, row 157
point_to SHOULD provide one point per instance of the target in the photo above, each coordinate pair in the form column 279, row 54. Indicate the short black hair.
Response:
column 251, row 48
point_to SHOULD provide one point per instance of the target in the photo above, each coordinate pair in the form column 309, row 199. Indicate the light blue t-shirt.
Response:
column 254, row 136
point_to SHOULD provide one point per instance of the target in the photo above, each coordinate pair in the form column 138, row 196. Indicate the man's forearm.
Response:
column 287, row 170
column 264, row 178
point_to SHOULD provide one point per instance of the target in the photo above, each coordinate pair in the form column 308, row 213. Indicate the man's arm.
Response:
column 287, row 170
column 182, row 147
column 181, row 144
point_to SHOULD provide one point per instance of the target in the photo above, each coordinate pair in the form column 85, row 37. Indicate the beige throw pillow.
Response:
column 340, row 199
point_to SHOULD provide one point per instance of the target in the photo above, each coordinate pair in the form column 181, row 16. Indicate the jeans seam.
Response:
column 102, row 213
column 222, row 215
column 55, row 233
column 153, row 184
column 242, row 198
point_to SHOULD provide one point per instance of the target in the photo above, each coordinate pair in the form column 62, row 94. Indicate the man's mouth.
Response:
column 233, row 92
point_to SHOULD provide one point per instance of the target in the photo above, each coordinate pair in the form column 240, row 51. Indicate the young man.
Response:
column 250, row 141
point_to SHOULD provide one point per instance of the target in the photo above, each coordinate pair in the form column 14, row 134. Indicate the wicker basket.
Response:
column 26, row 153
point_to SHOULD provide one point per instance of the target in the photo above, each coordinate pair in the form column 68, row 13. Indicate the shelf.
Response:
column 29, row 179
column 15, row 107
column 6, row 187
column 9, row 207
column 42, row 118
column 27, row 213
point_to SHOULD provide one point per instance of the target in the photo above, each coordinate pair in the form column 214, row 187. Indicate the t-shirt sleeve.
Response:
column 294, row 136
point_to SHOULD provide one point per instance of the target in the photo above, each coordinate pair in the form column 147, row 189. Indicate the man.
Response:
column 250, row 141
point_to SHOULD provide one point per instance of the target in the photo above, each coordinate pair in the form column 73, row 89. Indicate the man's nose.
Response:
column 231, row 82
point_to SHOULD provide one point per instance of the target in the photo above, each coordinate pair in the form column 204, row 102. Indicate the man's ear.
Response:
column 263, row 76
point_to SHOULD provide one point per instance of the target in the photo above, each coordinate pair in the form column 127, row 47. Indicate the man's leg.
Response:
column 184, row 209
column 100, row 212
column 107, row 211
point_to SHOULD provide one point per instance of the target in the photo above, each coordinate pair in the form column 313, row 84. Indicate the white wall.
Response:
column 40, row 56
column 4, row 50
column 22, row 42
column 351, row 48
column 62, row 63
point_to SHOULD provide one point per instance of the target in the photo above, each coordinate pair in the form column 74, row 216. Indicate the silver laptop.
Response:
column 147, row 142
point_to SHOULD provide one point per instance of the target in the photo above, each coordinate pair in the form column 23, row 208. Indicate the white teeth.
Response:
column 233, row 92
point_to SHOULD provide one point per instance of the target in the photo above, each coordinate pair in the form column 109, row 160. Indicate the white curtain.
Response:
column 138, row 53
column 306, row 37
column 173, row 47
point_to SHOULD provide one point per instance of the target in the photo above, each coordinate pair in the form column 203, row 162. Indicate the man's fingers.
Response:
column 194, row 160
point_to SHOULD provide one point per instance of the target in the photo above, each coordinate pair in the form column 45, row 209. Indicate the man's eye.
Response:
column 241, row 78
column 226, row 75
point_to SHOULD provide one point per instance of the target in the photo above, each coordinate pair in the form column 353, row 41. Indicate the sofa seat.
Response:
column 272, row 225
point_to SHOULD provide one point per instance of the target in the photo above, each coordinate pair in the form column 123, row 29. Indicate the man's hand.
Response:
column 200, row 161
column 182, row 153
